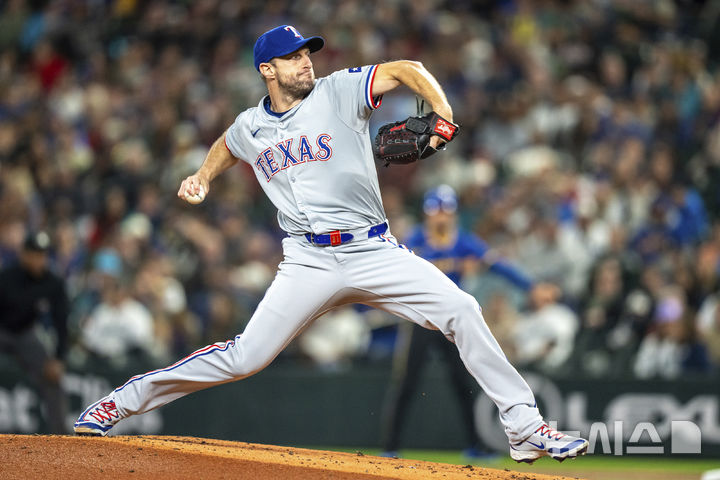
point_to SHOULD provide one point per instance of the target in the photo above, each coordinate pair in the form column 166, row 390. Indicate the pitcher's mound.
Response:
column 158, row 458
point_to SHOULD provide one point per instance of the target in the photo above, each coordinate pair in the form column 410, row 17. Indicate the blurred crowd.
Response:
column 589, row 155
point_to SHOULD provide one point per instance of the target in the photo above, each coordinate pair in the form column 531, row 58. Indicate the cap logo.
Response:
column 282, row 40
column 295, row 32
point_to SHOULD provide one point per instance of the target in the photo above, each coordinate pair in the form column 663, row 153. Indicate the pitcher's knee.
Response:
column 466, row 306
column 247, row 362
column 465, row 309
column 247, row 368
column 461, row 308
column 243, row 370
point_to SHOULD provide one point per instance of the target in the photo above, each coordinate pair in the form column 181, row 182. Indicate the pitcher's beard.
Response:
column 298, row 89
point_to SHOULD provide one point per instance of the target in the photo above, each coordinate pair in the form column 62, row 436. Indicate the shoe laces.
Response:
column 546, row 431
column 104, row 412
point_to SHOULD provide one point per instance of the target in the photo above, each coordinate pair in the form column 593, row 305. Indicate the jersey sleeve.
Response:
column 511, row 273
column 351, row 91
column 497, row 265
column 234, row 137
column 475, row 247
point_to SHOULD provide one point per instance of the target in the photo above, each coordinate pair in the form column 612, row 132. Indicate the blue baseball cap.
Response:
column 280, row 41
column 442, row 198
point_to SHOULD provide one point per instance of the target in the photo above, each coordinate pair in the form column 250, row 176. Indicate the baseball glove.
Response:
column 409, row 140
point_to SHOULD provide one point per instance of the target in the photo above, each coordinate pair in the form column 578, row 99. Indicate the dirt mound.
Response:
column 159, row 458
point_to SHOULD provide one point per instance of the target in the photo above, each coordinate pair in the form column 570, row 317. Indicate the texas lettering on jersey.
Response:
column 291, row 152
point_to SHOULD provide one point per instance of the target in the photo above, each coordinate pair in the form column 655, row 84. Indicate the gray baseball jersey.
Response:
column 311, row 162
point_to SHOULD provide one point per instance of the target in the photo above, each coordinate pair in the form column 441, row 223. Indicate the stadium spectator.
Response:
column 104, row 105
column 119, row 326
column 671, row 348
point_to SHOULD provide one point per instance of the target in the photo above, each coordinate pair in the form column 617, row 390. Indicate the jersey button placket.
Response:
column 297, row 195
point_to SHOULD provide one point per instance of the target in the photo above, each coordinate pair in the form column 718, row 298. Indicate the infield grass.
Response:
column 593, row 467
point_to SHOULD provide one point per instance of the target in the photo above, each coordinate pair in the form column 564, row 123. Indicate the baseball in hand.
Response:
column 197, row 198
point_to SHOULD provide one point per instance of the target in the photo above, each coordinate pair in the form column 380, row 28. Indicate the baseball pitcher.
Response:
column 308, row 144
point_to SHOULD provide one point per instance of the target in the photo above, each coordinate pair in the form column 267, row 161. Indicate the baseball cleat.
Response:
column 548, row 442
column 98, row 418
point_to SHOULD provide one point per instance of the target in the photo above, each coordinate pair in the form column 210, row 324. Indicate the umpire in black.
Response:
column 30, row 294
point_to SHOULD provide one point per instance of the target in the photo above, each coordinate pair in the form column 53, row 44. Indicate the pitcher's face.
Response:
column 294, row 73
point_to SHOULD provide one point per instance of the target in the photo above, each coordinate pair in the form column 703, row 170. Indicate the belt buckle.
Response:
column 335, row 238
